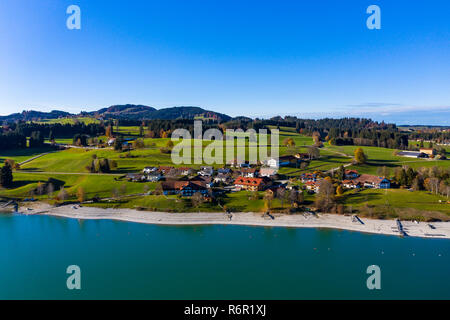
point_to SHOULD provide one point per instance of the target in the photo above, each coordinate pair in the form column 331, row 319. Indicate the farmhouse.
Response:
column 251, row 184
column 206, row 180
column 312, row 186
column 308, row 177
column 249, row 172
column 194, row 187
column 206, row 171
column 148, row 170
column 154, row 177
column 222, row 178
column 273, row 163
column 351, row 174
column 350, row 184
column 183, row 171
column 267, row 172
column 165, row 169
column 370, row 181
column 173, row 186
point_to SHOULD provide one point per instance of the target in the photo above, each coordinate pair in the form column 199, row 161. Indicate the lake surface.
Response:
column 136, row 261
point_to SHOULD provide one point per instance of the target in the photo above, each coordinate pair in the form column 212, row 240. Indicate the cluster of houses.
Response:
column 186, row 181
column 352, row 180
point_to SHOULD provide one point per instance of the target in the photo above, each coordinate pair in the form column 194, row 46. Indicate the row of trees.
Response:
column 17, row 140
column 294, row 197
column 57, row 129
column 101, row 165
column 434, row 179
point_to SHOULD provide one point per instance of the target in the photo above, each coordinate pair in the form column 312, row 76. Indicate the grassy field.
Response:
column 379, row 157
column 76, row 160
column 86, row 120
column 20, row 155
column 397, row 202
column 94, row 185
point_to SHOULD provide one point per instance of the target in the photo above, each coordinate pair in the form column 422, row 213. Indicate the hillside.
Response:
column 127, row 111
column 33, row 115
column 139, row 112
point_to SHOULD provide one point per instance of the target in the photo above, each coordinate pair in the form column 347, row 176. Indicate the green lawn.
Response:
column 20, row 155
column 86, row 120
column 393, row 202
column 379, row 157
column 93, row 185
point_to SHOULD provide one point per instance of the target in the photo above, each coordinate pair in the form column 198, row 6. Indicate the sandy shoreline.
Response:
column 332, row 221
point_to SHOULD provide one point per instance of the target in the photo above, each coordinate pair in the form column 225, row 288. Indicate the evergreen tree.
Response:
column 51, row 137
column 6, row 176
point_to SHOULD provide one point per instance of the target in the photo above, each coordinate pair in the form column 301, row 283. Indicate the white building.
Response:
column 206, row 171
column 148, row 170
column 267, row 172
column 273, row 163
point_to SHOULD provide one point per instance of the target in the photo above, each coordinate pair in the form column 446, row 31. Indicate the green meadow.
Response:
column 397, row 202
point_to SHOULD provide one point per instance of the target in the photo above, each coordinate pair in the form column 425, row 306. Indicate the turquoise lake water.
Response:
column 121, row 260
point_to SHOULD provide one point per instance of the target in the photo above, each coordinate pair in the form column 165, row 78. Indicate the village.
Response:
column 208, row 182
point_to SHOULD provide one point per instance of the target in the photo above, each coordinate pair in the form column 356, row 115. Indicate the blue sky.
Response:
column 253, row 58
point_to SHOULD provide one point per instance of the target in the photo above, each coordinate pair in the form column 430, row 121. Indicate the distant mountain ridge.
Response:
column 126, row 111
column 31, row 114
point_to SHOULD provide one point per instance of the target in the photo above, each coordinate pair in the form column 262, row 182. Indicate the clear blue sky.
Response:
column 254, row 58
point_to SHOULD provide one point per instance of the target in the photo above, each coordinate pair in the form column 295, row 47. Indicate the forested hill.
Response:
column 127, row 111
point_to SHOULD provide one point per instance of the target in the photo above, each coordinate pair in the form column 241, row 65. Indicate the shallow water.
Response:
column 130, row 260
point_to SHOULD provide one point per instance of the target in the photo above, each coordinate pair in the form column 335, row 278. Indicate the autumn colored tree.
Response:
column 360, row 156
column 268, row 197
column 81, row 195
column 109, row 132
column 169, row 144
column 316, row 138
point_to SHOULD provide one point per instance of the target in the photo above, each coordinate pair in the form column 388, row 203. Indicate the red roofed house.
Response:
column 350, row 184
column 370, row 181
column 252, row 184
column 312, row 186
column 351, row 174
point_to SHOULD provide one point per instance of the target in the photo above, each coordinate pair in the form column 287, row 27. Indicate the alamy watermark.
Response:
column 374, row 280
column 221, row 149
column 74, row 280
column 374, row 20
column 73, row 22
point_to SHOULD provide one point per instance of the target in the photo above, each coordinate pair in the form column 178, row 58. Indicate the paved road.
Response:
column 35, row 157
